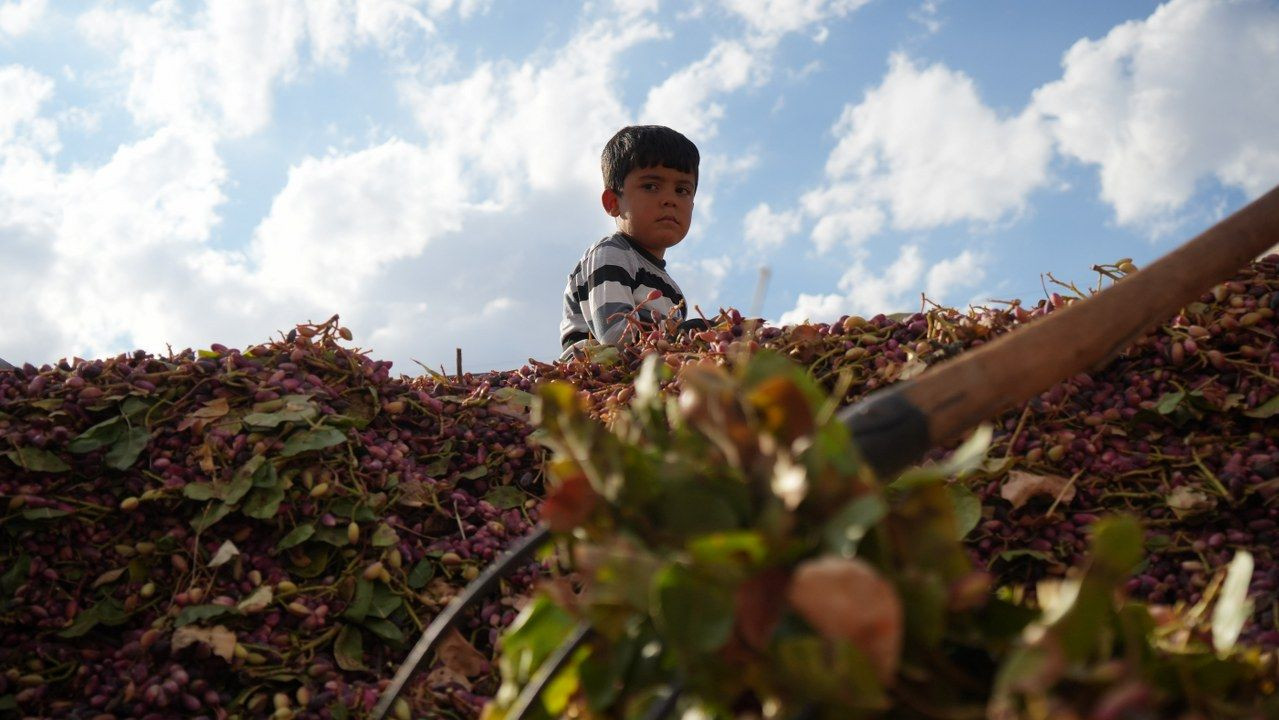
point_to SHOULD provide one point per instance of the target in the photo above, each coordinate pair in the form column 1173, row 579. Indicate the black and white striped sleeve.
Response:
column 607, row 292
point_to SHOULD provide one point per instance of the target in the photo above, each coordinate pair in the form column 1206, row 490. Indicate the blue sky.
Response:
column 183, row 173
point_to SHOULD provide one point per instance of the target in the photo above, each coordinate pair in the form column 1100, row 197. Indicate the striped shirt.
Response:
column 614, row 277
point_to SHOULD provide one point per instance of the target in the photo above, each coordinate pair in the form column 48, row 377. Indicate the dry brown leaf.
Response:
column 846, row 598
column 758, row 607
column 414, row 493
column 1021, row 486
column 217, row 637
column 443, row 675
column 569, row 504
column 459, row 656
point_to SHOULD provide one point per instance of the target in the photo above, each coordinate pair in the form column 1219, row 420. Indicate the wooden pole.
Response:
column 459, row 364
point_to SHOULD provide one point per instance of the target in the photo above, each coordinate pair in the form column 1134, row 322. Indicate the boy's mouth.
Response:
column 668, row 218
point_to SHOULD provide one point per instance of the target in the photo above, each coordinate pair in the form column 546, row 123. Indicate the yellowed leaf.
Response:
column 218, row 637
column 108, row 577
column 224, row 554
column 258, row 600
column 1186, row 501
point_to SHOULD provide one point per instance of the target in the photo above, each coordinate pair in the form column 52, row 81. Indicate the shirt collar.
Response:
column 643, row 253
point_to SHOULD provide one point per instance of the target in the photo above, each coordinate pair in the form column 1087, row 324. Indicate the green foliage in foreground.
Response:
column 726, row 541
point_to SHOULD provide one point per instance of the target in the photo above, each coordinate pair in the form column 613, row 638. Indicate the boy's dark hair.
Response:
column 644, row 146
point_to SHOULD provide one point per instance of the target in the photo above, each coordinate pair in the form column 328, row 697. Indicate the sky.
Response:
column 176, row 173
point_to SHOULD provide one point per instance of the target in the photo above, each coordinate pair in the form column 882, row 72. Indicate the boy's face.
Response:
column 655, row 207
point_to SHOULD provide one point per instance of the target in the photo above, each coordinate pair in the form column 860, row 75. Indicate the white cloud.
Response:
column 926, row 15
column 220, row 67
column 864, row 291
column 965, row 270
column 773, row 18
column 24, row 91
column 765, row 229
column 509, row 124
column 924, row 145
column 702, row 281
column 17, row 17
column 844, row 215
column 108, row 253
column 1159, row 104
column 684, row 100
column 339, row 220
column 634, row 8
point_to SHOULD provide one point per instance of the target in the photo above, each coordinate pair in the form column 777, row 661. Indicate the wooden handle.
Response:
column 895, row 427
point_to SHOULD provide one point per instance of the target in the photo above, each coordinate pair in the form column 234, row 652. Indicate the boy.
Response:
column 650, row 178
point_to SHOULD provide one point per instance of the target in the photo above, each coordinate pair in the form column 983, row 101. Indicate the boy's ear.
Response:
column 610, row 202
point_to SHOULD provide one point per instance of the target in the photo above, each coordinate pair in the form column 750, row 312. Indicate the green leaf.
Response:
column 308, row 440
column 1266, row 410
column 967, row 509
column 100, row 435
column 439, row 466
column 242, row 481
column 296, row 408
column 505, row 497
column 125, row 450
column 335, row 536
column 832, row 672
column 37, row 460
column 43, row 513
column 197, row 613
column 513, row 397
column 265, row 476
column 263, row 503
column 923, row 599
column 15, row 576
column 1169, row 402
column 845, row 530
column 603, row 355
column 384, row 536
column 354, row 509
column 358, row 608
column 348, row 648
column 296, row 536
column 695, row 508
column 208, row 354
column 211, row 514
column 475, row 473
column 200, row 491
column 108, row 612
column 537, row 631
column 421, row 573
column 134, row 406
column 1010, row 555
column 84, row 621
column 692, row 611
column 385, row 601
column 319, row 555
column 384, row 629
column 729, row 548
column 1233, row 606
column 1116, row 547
